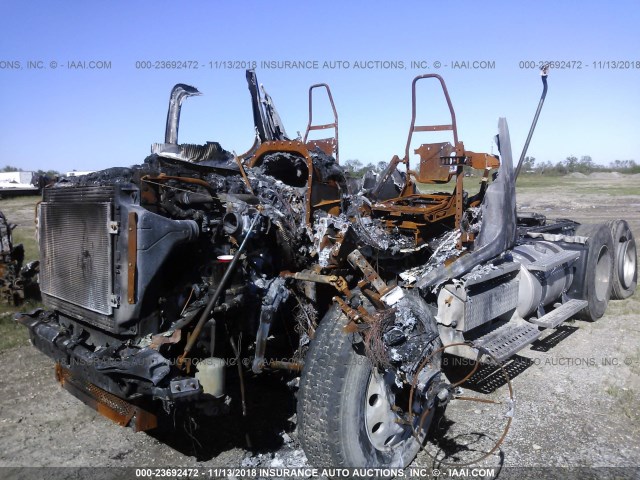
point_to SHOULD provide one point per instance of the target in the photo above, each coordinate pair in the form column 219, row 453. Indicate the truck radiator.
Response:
column 76, row 250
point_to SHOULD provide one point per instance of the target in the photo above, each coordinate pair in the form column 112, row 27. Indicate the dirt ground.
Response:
column 577, row 389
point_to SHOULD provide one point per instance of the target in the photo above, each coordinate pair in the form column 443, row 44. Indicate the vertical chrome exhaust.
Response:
column 178, row 94
column 544, row 71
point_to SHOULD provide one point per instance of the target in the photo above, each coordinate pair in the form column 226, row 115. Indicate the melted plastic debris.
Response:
column 286, row 457
column 405, row 341
column 447, row 248
column 394, row 355
column 329, row 227
column 472, row 220
column 289, row 455
column 373, row 234
column 479, row 271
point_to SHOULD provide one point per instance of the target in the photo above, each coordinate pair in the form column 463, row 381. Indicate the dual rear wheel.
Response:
column 611, row 266
column 625, row 265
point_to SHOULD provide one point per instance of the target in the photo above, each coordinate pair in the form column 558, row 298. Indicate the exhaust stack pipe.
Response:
column 178, row 94
column 544, row 71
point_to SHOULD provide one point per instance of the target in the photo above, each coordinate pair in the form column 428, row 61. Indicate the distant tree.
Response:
column 570, row 164
column 617, row 165
column 9, row 168
column 48, row 173
column 624, row 165
column 529, row 164
column 353, row 165
column 356, row 169
column 382, row 165
column 586, row 165
column 563, row 168
column 544, row 167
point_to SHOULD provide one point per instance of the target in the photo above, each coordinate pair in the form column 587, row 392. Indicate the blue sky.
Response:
column 84, row 119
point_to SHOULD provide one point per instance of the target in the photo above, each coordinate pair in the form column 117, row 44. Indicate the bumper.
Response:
column 120, row 411
column 142, row 375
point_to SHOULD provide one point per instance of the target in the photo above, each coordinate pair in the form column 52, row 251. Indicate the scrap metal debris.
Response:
column 18, row 281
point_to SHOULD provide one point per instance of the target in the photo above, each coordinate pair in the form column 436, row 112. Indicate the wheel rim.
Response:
column 627, row 266
column 383, row 430
column 603, row 274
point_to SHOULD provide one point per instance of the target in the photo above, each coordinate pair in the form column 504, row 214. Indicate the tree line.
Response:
column 571, row 164
column 584, row 164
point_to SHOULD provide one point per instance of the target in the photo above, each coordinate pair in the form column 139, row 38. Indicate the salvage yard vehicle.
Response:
column 18, row 281
column 160, row 278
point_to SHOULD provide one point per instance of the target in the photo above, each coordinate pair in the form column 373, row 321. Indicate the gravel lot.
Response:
column 577, row 391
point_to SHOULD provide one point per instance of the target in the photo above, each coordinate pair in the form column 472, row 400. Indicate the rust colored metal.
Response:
column 336, row 281
column 249, row 153
column 158, row 340
column 276, row 146
column 244, row 174
column 291, row 366
column 429, row 128
column 375, row 298
column 353, row 315
column 357, row 260
column 439, row 163
column 132, row 255
column 114, row 408
column 431, row 169
column 163, row 178
column 148, row 195
column 481, row 161
column 330, row 145
column 431, row 207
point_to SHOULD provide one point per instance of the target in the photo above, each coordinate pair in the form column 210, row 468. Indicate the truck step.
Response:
column 560, row 314
column 508, row 339
column 547, row 264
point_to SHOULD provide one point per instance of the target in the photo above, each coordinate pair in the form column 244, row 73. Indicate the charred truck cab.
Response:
column 156, row 276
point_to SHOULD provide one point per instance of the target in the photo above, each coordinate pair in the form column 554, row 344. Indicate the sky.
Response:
column 55, row 116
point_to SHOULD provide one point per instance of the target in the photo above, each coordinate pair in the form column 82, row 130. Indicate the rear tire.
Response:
column 625, row 262
column 333, row 419
column 599, row 269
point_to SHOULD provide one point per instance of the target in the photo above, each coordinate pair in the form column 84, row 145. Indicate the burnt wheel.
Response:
column 599, row 269
column 625, row 261
column 346, row 411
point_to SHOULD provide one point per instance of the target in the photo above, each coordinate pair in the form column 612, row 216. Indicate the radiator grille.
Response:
column 75, row 253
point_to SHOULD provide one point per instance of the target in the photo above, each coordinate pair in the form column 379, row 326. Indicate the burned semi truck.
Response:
column 155, row 277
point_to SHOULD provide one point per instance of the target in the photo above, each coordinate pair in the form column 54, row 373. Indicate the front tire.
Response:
column 335, row 426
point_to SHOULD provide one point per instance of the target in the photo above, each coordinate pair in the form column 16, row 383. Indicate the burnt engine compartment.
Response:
column 132, row 255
